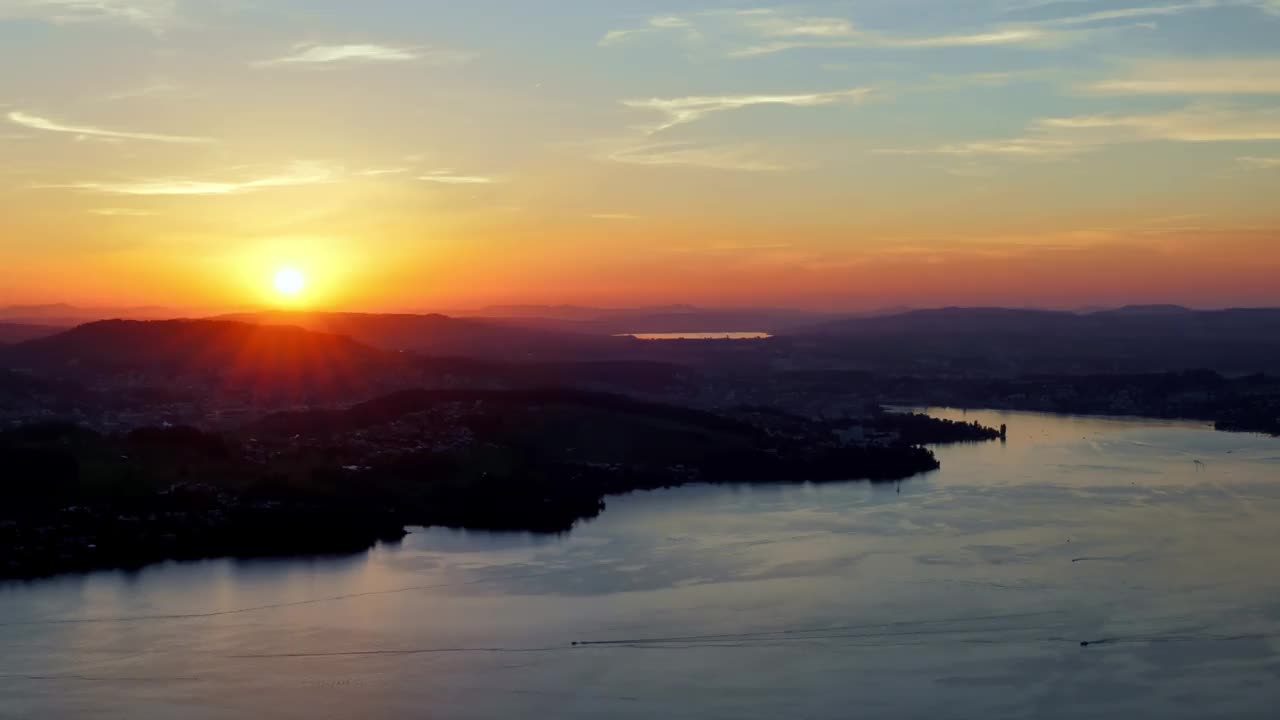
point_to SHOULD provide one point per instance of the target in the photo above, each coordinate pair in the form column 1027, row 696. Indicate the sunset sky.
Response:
column 439, row 154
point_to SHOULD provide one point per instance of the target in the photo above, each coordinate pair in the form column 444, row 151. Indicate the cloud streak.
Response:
column 1132, row 13
column 1028, row 147
column 1261, row 163
column 661, row 23
column 743, row 158
column 1195, row 124
column 152, row 15
column 1138, row 12
column 685, row 110
column 1216, row 76
column 382, row 172
column 35, row 122
column 298, row 175
column 449, row 177
column 1059, row 137
column 766, row 31
column 999, row 37
column 153, row 90
column 322, row 55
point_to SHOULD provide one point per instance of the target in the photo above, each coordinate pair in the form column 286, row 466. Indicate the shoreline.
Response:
column 319, row 540
column 325, row 482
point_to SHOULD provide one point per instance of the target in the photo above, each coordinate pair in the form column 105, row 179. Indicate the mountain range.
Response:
column 988, row 341
column 441, row 335
column 232, row 355
column 1131, row 339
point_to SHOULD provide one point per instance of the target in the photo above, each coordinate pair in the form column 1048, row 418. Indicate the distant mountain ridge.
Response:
column 977, row 316
column 1149, row 310
column 66, row 315
column 442, row 335
column 983, row 340
column 1132, row 339
column 21, row 332
column 665, row 319
column 573, row 312
column 239, row 354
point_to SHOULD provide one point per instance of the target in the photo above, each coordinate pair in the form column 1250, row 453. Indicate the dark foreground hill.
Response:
column 338, row 481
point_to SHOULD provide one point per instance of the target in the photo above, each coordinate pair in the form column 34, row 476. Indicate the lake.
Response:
column 965, row 593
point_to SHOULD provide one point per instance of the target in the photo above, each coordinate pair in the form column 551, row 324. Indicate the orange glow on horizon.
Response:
column 420, row 267
column 930, row 158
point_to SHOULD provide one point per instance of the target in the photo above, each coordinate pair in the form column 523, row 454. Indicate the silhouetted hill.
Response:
column 11, row 333
column 630, row 377
column 443, row 335
column 672, row 319
column 53, row 314
column 950, row 319
column 65, row 316
column 235, row 353
column 528, row 446
column 1142, row 339
column 575, row 312
column 592, row 412
column 1149, row 310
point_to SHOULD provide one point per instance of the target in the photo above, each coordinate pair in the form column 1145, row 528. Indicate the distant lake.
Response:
column 700, row 336
column 961, row 594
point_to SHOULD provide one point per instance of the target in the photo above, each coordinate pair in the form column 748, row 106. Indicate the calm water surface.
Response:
column 962, row 594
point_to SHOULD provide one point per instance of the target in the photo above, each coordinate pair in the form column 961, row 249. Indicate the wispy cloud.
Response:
column 1005, row 36
column 86, row 131
column 741, row 157
column 1213, row 76
column 1262, row 163
column 684, row 110
column 1028, row 147
column 152, row 15
column 380, row 172
column 765, row 31
column 449, row 177
column 298, row 175
column 662, row 23
column 1132, row 13
column 155, row 89
column 1135, row 12
column 1060, row 137
column 1196, row 124
column 618, row 217
column 319, row 55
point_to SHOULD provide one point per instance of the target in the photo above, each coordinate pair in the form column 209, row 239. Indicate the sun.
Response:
column 290, row 282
